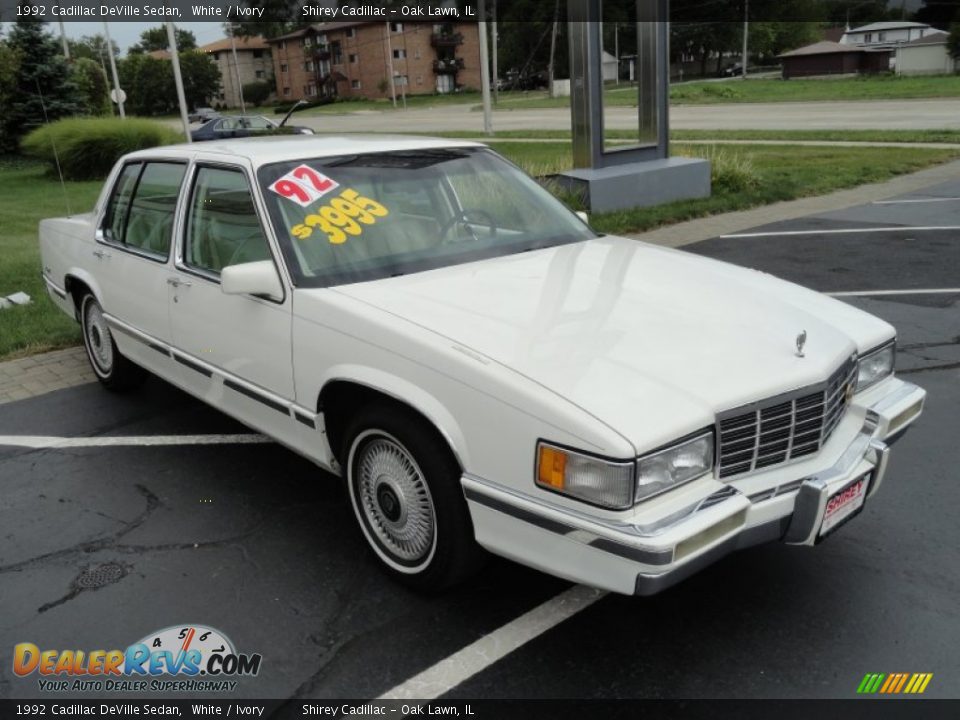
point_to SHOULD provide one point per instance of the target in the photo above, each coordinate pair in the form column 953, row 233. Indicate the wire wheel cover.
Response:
column 395, row 500
column 99, row 340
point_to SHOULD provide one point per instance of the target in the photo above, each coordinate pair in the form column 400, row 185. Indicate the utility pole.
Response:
column 616, row 47
column 553, row 45
column 178, row 79
column 746, row 32
column 485, row 70
column 393, row 85
column 236, row 72
column 496, row 73
column 63, row 39
column 113, row 70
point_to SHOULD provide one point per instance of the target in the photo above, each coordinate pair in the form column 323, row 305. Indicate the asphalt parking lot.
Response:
column 253, row 540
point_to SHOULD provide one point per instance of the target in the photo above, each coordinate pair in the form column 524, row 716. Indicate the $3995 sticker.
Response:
column 341, row 217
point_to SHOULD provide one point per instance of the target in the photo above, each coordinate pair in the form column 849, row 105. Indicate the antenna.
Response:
column 53, row 144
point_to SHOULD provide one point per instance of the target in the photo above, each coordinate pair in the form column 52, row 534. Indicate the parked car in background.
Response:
column 224, row 127
column 203, row 114
column 482, row 368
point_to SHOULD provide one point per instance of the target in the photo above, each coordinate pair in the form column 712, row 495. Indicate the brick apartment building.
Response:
column 252, row 64
column 355, row 59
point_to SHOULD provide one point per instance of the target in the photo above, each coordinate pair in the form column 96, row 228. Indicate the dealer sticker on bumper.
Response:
column 844, row 504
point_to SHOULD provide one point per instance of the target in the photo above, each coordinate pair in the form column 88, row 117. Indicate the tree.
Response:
column 149, row 84
column 91, row 82
column 156, row 39
column 953, row 41
column 939, row 13
column 93, row 47
column 201, row 77
column 41, row 72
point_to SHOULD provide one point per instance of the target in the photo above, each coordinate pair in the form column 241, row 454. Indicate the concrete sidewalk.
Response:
column 39, row 374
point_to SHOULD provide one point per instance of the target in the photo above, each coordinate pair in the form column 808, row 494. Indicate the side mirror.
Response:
column 583, row 216
column 253, row 278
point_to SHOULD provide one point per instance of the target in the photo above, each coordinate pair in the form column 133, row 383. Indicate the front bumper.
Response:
column 643, row 558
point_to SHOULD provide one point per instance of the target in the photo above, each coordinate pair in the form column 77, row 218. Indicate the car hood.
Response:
column 653, row 342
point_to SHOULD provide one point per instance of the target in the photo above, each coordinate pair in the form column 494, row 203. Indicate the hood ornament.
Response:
column 801, row 341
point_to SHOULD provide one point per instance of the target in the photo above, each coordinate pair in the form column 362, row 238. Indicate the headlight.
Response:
column 602, row 482
column 674, row 466
column 875, row 366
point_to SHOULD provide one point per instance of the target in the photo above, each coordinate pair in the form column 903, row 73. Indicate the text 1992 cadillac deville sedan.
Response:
column 483, row 369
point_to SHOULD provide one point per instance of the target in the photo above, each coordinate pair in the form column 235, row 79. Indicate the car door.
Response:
column 233, row 350
column 134, row 239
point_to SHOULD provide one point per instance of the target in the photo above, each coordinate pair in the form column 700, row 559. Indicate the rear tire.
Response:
column 113, row 369
column 404, row 487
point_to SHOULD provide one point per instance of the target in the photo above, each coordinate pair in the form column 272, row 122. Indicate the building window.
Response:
column 283, row 45
column 283, row 67
column 355, row 84
column 416, row 54
column 352, row 32
column 881, row 37
column 396, row 27
column 419, row 79
column 353, row 57
column 286, row 91
column 308, row 66
column 337, row 53
column 399, row 54
column 257, row 54
column 868, row 37
column 259, row 74
column 400, row 80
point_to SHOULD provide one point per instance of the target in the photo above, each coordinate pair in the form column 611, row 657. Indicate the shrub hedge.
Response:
column 89, row 147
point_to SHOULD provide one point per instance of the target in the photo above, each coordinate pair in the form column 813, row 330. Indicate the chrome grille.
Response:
column 786, row 427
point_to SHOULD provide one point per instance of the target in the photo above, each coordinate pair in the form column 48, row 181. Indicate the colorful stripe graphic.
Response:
column 894, row 683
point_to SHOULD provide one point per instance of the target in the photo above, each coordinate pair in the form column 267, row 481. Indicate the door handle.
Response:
column 100, row 254
column 177, row 282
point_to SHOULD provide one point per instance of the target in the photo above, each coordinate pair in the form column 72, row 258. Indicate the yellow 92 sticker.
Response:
column 340, row 217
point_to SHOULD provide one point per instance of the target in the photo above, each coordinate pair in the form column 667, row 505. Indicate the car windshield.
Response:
column 353, row 218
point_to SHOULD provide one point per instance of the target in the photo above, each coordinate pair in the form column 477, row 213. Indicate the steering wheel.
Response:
column 463, row 217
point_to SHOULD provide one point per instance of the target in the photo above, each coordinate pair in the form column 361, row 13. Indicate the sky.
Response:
column 125, row 34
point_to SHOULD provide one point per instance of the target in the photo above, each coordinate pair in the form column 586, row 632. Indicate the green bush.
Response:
column 89, row 147
column 256, row 93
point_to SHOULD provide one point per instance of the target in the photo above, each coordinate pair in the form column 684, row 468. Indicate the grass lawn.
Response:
column 878, row 87
column 775, row 173
column 745, row 176
column 866, row 136
column 28, row 194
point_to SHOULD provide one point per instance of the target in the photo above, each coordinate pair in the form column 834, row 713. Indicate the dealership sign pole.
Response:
column 113, row 70
column 178, row 79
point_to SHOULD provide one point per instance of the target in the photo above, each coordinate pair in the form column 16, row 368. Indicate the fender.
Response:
column 408, row 393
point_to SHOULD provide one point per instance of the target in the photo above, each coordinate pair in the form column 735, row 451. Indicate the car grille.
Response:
column 784, row 428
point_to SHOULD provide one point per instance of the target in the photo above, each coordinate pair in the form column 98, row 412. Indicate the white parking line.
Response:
column 840, row 231
column 50, row 441
column 926, row 291
column 464, row 664
column 915, row 200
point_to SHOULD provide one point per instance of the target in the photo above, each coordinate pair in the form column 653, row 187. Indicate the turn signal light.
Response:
column 552, row 467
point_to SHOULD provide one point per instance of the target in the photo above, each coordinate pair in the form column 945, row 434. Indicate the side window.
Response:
column 222, row 224
column 151, row 213
column 116, row 217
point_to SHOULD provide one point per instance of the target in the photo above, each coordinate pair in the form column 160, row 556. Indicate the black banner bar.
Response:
column 872, row 708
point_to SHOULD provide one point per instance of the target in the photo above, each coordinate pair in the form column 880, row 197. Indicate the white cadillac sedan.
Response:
column 482, row 368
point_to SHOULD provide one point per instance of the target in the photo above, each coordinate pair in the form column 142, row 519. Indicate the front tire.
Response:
column 404, row 486
column 113, row 369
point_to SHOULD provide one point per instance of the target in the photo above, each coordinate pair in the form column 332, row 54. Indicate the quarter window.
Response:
column 222, row 226
column 140, row 214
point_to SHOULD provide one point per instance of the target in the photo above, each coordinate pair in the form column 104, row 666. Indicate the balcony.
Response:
column 322, row 52
column 447, row 67
column 446, row 39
